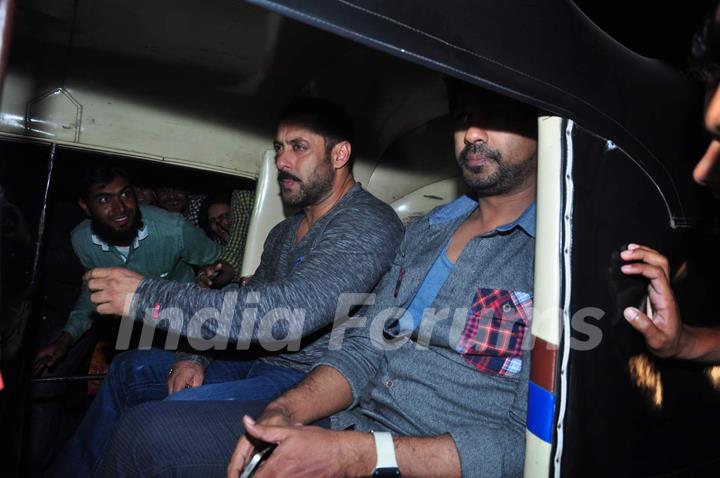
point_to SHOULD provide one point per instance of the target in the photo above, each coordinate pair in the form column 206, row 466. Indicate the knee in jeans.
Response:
column 135, row 436
column 129, row 366
column 137, row 425
column 131, row 359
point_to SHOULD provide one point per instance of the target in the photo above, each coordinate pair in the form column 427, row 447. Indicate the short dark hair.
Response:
column 705, row 64
column 459, row 91
column 323, row 117
column 98, row 172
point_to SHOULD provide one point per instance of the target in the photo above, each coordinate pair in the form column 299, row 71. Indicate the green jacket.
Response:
column 166, row 247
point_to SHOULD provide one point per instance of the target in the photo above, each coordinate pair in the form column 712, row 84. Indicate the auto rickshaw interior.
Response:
column 175, row 91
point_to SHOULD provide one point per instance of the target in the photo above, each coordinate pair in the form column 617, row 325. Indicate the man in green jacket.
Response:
column 118, row 232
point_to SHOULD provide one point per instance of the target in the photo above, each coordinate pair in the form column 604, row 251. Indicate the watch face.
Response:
column 386, row 472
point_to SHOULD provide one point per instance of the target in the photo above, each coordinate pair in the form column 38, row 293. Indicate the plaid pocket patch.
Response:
column 496, row 326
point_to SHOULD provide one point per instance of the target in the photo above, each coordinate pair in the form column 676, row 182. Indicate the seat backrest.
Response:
column 425, row 199
column 267, row 212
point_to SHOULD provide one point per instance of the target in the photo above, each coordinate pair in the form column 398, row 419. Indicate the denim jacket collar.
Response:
column 465, row 204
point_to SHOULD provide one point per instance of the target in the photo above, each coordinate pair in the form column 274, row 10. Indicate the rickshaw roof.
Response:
column 547, row 53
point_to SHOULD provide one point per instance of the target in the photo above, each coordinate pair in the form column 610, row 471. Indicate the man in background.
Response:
column 664, row 332
column 119, row 232
column 342, row 241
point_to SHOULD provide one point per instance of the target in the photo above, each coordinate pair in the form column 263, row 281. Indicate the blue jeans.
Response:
column 139, row 376
column 179, row 439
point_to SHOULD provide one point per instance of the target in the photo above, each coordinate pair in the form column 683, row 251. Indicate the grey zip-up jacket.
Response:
column 294, row 292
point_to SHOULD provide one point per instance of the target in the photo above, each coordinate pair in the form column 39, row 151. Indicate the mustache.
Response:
column 481, row 149
column 285, row 175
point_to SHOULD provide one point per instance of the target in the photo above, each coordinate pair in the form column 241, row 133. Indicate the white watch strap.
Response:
column 385, row 450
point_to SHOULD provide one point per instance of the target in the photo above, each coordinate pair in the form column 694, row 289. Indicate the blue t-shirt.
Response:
column 434, row 280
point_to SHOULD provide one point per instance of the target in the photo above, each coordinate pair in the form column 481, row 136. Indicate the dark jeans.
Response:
column 140, row 376
column 179, row 439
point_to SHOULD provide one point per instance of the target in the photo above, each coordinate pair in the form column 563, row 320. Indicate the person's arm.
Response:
column 665, row 334
column 216, row 275
column 323, row 392
column 303, row 450
column 78, row 322
column 336, row 381
column 229, row 267
column 80, row 319
column 311, row 451
column 488, row 451
column 48, row 356
column 197, row 248
column 344, row 260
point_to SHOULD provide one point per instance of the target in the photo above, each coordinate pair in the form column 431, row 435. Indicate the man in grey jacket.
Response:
column 434, row 367
column 342, row 241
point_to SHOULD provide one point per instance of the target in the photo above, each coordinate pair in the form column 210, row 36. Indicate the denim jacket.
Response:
column 464, row 371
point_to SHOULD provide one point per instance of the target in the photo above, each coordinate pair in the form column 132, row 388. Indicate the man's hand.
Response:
column 208, row 274
column 49, row 355
column 245, row 448
column 306, row 451
column 185, row 374
column 323, row 392
column 112, row 289
column 663, row 331
column 217, row 275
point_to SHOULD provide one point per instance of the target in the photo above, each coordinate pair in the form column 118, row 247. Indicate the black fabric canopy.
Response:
column 544, row 52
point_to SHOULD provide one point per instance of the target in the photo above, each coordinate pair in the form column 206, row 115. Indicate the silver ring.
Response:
column 171, row 372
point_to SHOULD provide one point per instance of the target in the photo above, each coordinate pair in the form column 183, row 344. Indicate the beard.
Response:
column 115, row 237
column 483, row 181
column 310, row 191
